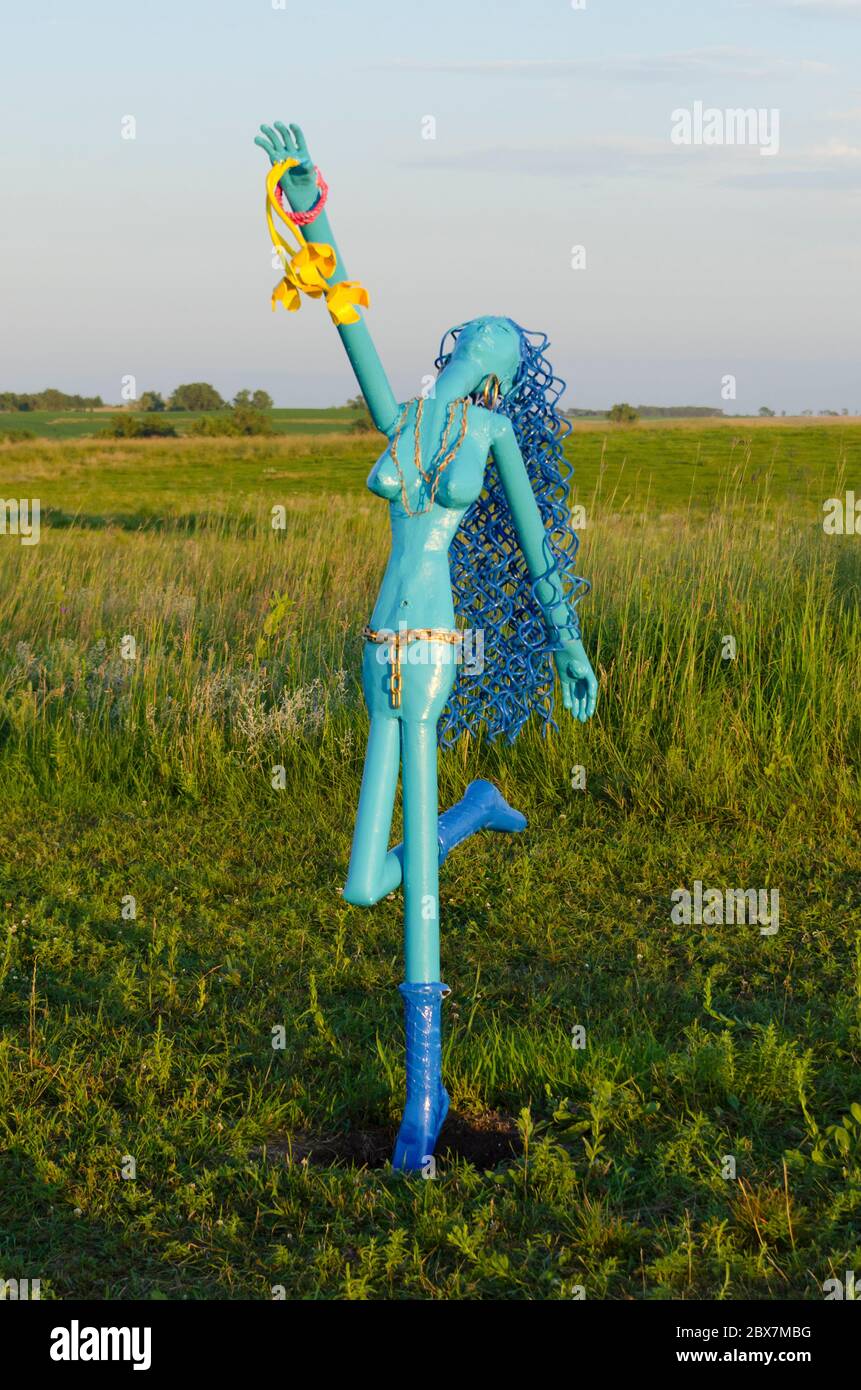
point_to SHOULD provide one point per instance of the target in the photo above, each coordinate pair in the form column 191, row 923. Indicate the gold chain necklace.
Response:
column 438, row 464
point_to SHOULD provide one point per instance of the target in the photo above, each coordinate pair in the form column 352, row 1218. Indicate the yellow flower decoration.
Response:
column 310, row 265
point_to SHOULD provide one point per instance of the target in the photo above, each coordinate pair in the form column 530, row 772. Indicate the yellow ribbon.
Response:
column 341, row 301
column 309, row 267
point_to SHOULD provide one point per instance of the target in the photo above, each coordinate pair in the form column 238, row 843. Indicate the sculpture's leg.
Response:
column 482, row 807
column 373, row 871
column 427, row 1100
column 420, row 852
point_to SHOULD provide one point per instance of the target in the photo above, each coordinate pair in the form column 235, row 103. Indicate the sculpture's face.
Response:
column 492, row 347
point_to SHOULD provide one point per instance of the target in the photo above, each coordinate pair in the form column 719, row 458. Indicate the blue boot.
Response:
column 427, row 1098
column 482, row 807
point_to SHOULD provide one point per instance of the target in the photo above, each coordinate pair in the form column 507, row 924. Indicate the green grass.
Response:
column 87, row 424
column 151, row 1036
column 189, row 483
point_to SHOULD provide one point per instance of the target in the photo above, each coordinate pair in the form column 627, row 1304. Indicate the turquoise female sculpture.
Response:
column 474, row 472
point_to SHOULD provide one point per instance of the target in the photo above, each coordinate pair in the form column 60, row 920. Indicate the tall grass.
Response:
column 247, row 645
column 151, row 1035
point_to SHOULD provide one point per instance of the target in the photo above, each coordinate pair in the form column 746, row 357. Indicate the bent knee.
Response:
column 360, row 893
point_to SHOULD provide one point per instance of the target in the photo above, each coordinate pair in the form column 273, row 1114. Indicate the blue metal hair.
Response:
column 493, row 591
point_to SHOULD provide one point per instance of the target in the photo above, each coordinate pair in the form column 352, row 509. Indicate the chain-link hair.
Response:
column 493, row 592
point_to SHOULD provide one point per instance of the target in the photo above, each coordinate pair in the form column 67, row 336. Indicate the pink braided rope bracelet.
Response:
column 301, row 219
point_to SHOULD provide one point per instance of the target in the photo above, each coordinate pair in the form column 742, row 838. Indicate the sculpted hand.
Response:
column 579, row 685
column 288, row 142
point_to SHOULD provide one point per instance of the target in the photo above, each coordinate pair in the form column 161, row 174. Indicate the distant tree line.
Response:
column 199, row 395
column 49, row 399
column 628, row 413
column 363, row 422
column 669, row 412
column 247, row 413
column 193, row 395
column 624, row 412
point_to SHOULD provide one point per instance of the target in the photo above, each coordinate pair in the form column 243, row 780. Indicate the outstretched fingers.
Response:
column 286, row 142
column 294, row 143
column 271, row 136
column 286, row 138
column 299, row 137
column 592, row 696
column 265, row 145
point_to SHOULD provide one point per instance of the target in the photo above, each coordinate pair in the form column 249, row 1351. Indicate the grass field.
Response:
column 87, row 424
column 149, row 1037
column 340, row 420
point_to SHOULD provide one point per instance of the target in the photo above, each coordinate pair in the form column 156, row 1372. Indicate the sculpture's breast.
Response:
column 459, row 484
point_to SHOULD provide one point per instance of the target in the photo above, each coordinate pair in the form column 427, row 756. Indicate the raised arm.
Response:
column 299, row 186
column 579, row 685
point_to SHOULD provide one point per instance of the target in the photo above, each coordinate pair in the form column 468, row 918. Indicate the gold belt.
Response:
column 400, row 639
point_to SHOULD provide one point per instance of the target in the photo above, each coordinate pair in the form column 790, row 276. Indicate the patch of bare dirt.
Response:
column 484, row 1142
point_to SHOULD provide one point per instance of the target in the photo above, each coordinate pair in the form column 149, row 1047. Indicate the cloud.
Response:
column 721, row 61
column 834, row 167
column 831, row 9
column 824, row 6
column 610, row 157
column 798, row 180
column 836, row 149
column 831, row 167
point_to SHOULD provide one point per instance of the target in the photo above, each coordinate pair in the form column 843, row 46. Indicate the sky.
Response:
column 553, row 129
